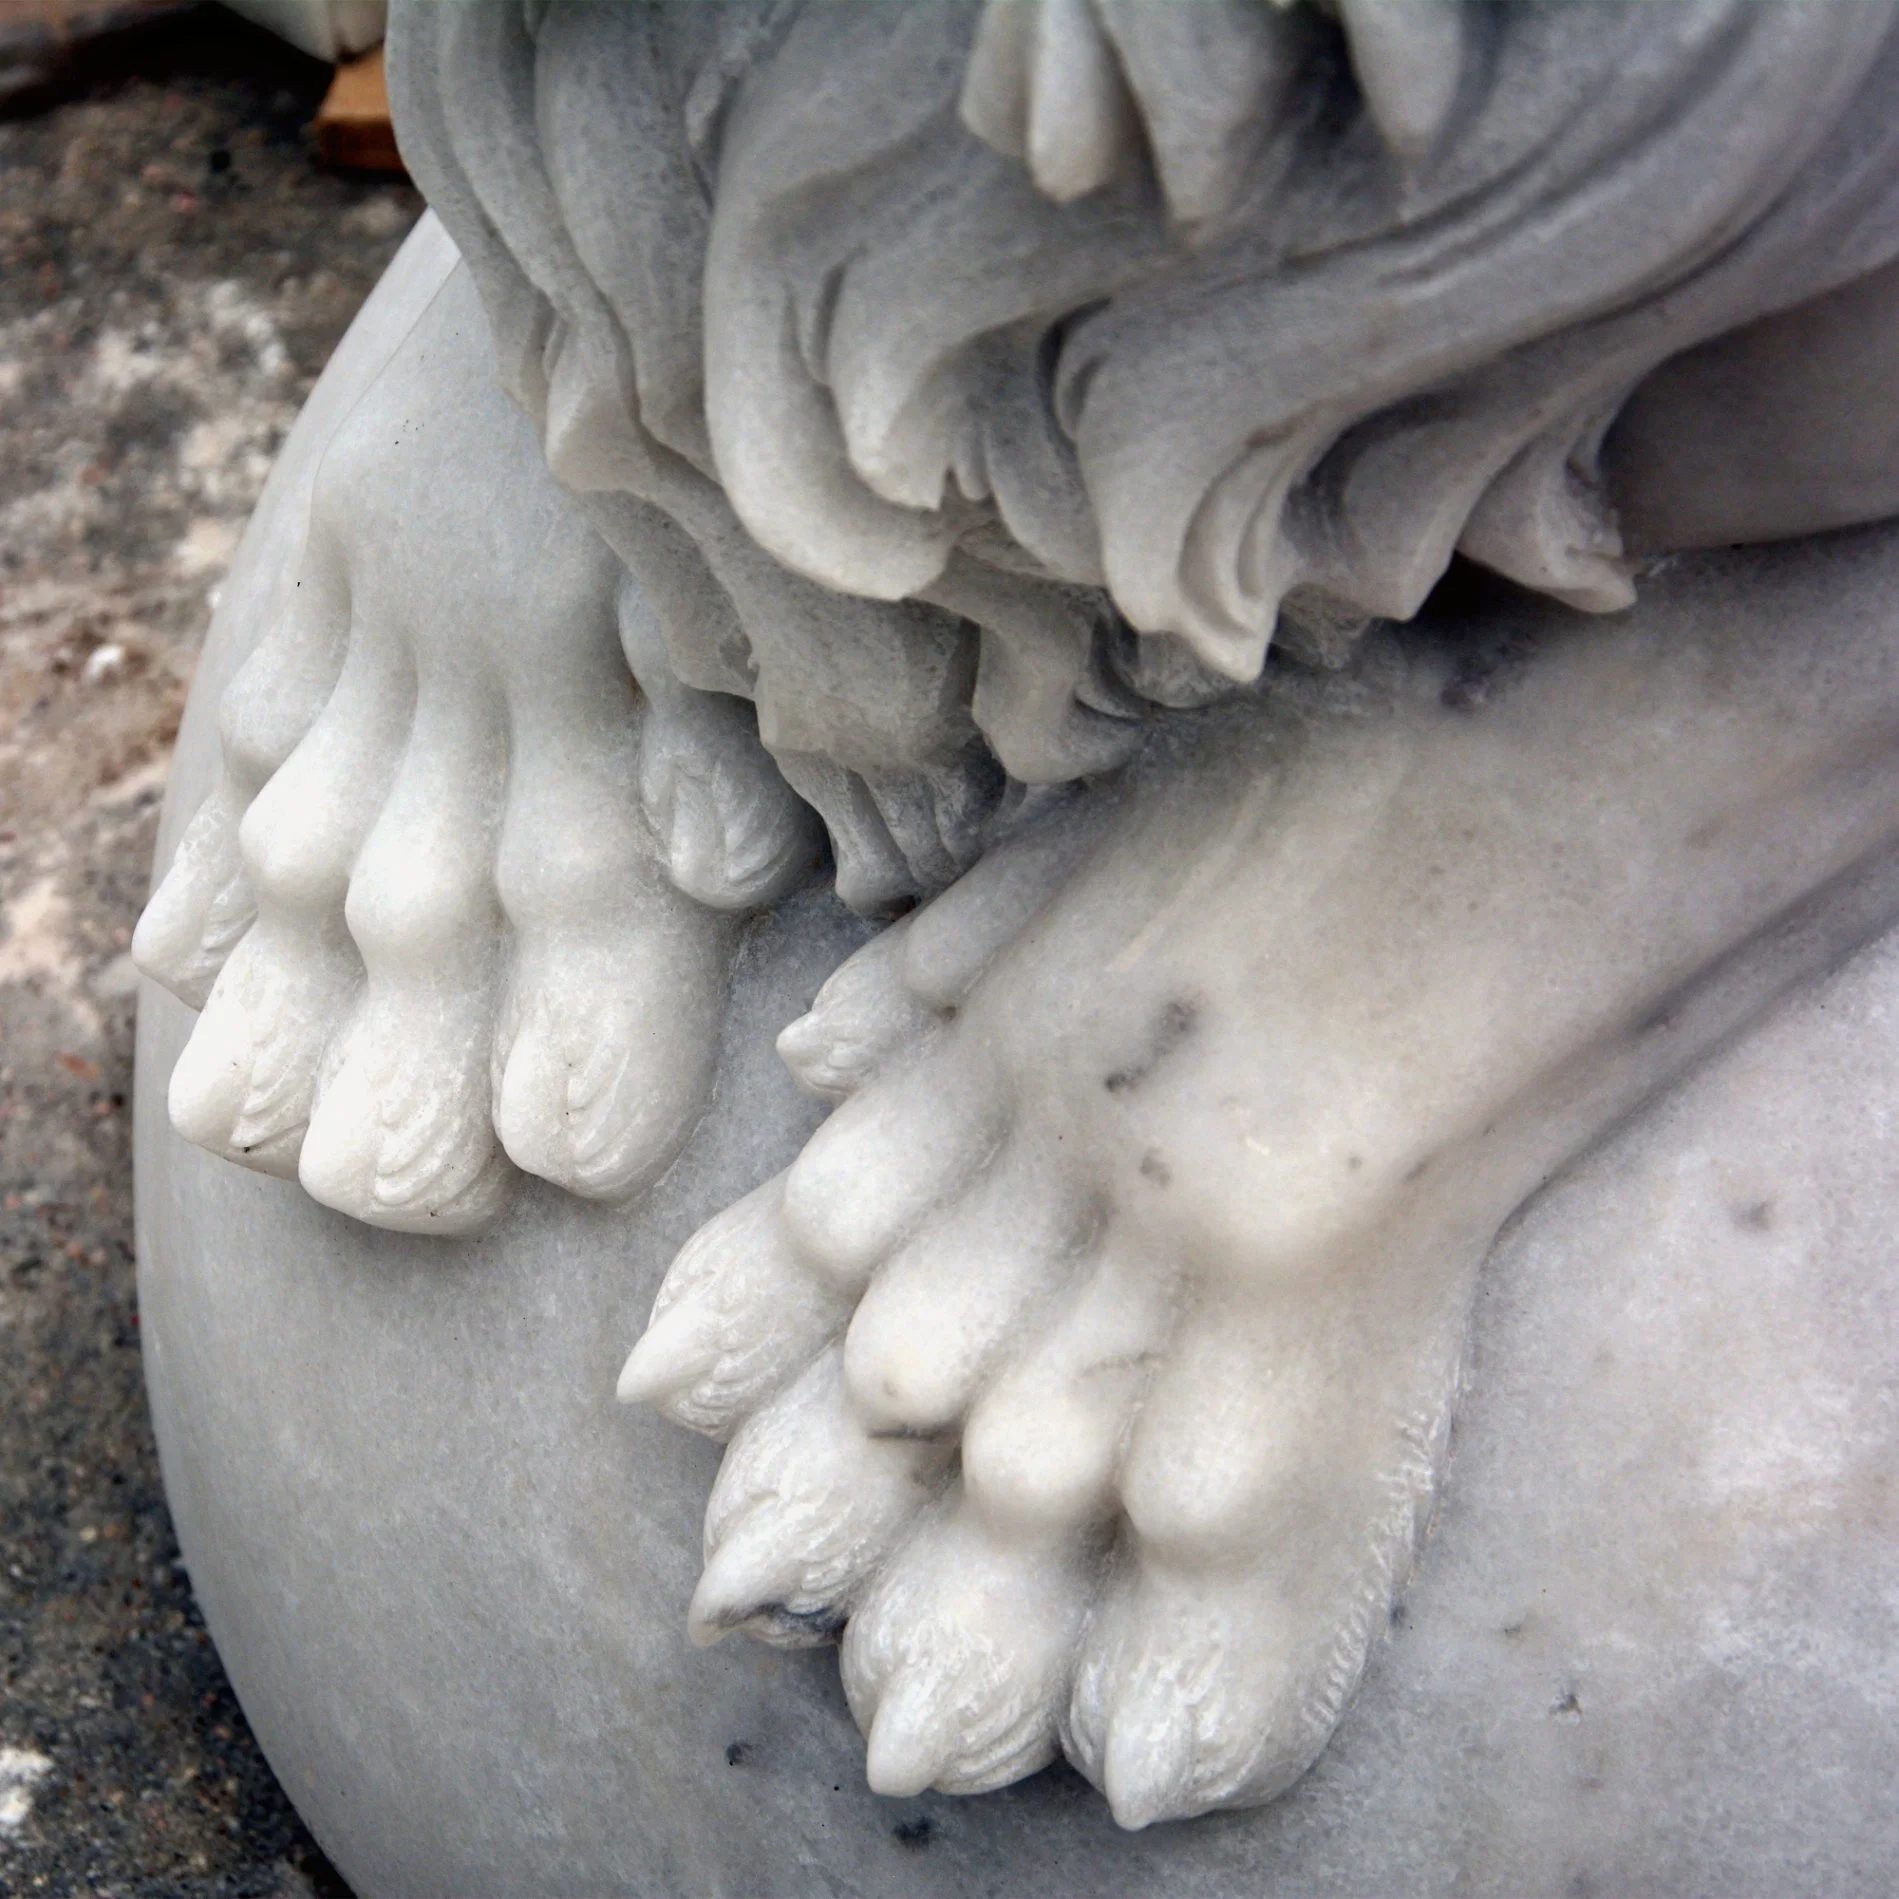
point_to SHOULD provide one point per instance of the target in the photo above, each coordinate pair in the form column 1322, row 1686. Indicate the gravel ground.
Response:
column 174, row 271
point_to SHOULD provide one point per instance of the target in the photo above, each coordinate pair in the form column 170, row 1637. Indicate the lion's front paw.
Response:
column 449, row 949
column 1032, row 1396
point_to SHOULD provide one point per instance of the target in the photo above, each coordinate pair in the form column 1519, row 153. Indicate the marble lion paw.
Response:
column 433, row 938
column 1032, row 1396
column 1090, row 1370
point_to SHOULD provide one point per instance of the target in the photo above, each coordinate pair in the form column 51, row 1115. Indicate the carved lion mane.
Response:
column 959, row 380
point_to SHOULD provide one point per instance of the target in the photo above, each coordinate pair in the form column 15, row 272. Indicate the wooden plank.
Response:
column 353, row 128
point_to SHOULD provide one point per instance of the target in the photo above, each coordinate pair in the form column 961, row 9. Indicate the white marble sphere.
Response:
column 1649, row 1645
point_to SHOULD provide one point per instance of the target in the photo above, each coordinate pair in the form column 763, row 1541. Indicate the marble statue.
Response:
column 1183, row 517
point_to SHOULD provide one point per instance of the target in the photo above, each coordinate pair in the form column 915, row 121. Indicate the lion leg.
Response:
column 1092, row 1367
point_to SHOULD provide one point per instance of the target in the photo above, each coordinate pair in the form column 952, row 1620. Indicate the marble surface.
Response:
column 1649, row 1645
column 939, row 490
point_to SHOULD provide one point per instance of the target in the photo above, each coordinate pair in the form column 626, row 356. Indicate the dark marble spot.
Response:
column 1174, row 1024
column 1480, row 677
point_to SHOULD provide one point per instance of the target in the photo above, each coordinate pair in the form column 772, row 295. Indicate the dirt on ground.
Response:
column 174, row 271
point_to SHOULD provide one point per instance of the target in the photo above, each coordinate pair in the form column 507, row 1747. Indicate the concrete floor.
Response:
column 174, row 270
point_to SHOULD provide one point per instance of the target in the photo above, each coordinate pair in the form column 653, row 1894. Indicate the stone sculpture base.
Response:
column 1647, row 1648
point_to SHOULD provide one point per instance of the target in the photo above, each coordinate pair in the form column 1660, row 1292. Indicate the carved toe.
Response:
column 957, row 1664
column 811, row 1506
column 244, row 1083
column 738, row 1317
column 202, row 906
